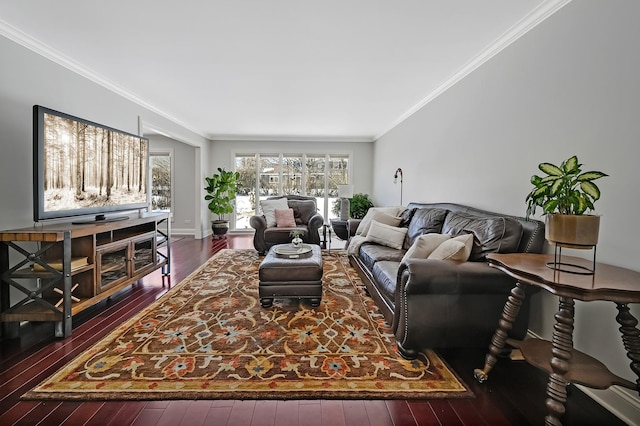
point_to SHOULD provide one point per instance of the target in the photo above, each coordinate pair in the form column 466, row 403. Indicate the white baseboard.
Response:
column 183, row 231
column 619, row 401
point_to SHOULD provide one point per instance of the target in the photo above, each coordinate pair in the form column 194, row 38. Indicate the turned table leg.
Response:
column 562, row 345
column 505, row 324
column 630, row 338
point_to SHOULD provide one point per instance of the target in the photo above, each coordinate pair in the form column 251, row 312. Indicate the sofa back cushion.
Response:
column 303, row 210
column 492, row 234
column 424, row 221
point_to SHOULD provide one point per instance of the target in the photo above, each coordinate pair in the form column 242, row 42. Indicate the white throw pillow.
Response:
column 374, row 213
column 457, row 248
column 424, row 245
column 269, row 208
column 386, row 235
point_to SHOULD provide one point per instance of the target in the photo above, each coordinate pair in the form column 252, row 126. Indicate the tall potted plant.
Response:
column 221, row 188
column 565, row 194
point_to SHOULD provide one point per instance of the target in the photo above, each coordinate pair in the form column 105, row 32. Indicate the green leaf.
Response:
column 571, row 165
column 550, row 206
column 556, row 187
column 591, row 189
column 586, row 176
column 540, row 192
column 549, row 180
column 550, row 169
column 581, row 205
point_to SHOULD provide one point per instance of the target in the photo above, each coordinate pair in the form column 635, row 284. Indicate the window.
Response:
column 161, row 164
column 268, row 175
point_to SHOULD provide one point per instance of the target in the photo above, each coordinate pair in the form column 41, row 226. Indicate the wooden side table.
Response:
column 558, row 358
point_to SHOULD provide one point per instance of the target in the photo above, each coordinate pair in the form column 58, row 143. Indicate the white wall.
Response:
column 569, row 86
column 27, row 79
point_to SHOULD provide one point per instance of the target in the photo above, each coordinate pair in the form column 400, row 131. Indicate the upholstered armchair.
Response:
column 281, row 215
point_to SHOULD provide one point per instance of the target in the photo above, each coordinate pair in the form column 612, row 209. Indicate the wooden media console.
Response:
column 58, row 270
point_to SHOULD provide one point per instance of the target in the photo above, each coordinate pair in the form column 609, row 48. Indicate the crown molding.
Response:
column 61, row 59
column 526, row 24
column 290, row 138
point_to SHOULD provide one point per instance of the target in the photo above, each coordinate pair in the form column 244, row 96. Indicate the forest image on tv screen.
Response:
column 86, row 166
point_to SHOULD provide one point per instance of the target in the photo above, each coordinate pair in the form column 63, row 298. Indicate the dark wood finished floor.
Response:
column 514, row 394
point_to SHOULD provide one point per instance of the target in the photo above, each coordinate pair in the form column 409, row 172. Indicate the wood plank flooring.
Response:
column 514, row 394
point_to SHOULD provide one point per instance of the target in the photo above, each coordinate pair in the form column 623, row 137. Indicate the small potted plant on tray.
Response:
column 565, row 194
column 296, row 235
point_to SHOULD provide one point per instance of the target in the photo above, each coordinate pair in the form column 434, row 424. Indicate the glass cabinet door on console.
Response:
column 111, row 265
column 117, row 262
column 143, row 253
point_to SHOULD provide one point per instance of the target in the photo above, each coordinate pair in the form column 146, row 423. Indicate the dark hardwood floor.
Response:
column 514, row 394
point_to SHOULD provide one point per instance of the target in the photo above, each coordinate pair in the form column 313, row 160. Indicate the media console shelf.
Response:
column 41, row 265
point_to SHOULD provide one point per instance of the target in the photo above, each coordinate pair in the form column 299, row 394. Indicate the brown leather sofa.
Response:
column 441, row 303
column 307, row 218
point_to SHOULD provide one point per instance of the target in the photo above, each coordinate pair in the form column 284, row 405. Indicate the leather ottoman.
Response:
column 299, row 277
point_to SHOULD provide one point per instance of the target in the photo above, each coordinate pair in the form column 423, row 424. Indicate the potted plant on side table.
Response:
column 221, row 188
column 565, row 194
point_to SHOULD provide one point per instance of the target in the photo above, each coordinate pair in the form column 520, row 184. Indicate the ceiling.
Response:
column 279, row 69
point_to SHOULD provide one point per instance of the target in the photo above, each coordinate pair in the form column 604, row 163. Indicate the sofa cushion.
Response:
column 457, row 248
column 284, row 218
column 371, row 253
column 425, row 221
column 385, row 273
column 365, row 223
column 277, row 235
column 269, row 207
column 424, row 245
column 303, row 210
column 491, row 234
column 387, row 235
column 406, row 217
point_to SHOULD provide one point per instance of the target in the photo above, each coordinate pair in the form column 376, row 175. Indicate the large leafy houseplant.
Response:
column 565, row 189
column 359, row 205
column 565, row 194
column 221, row 188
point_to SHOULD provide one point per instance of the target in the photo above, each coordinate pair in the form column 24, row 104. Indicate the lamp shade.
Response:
column 345, row 191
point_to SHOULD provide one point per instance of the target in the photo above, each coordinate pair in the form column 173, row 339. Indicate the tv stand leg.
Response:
column 58, row 329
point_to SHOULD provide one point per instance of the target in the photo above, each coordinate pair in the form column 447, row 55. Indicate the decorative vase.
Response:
column 573, row 231
column 296, row 242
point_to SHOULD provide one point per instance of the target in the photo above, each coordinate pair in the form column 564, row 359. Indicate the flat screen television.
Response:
column 81, row 168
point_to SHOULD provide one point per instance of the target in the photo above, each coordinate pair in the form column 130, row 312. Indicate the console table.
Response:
column 558, row 358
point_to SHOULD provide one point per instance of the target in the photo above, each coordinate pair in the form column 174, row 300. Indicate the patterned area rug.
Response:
column 209, row 338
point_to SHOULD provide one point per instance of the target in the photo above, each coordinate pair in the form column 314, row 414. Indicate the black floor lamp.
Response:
column 395, row 180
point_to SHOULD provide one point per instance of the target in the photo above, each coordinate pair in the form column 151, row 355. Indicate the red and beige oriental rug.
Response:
column 209, row 338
